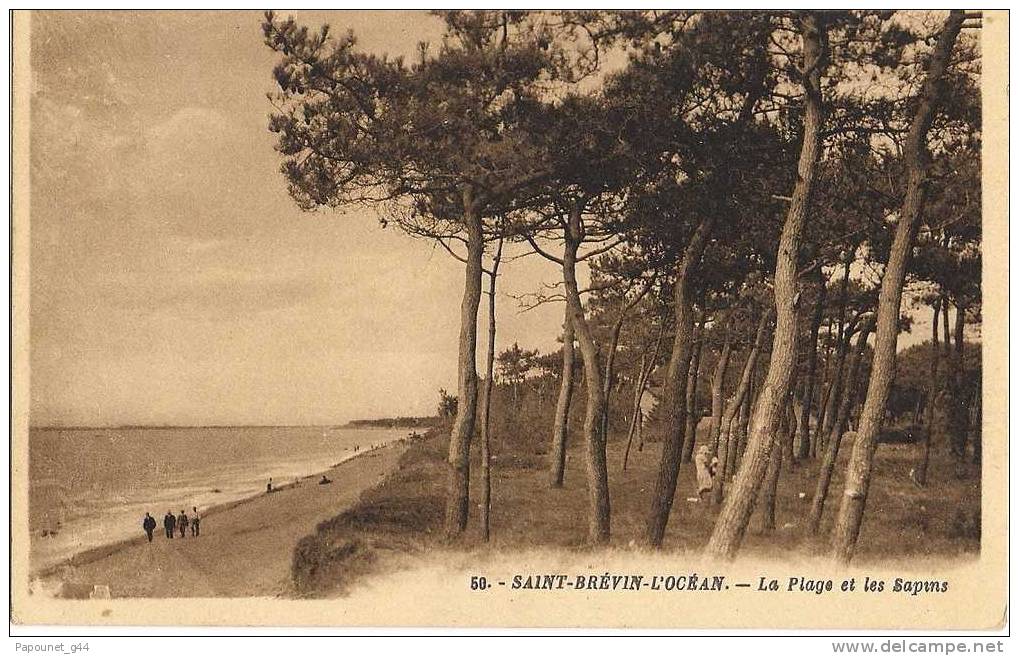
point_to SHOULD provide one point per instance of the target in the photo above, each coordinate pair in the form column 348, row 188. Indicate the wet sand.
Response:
column 245, row 547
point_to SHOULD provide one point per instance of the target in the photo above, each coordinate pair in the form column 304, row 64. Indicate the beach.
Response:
column 245, row 547
column 90, row 486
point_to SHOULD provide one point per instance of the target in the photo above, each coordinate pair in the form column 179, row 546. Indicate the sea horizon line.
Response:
column 168, row 426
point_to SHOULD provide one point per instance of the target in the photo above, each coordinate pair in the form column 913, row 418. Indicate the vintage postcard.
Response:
column 510, row 318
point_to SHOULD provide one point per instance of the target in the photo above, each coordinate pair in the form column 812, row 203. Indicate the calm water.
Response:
column 89, row 487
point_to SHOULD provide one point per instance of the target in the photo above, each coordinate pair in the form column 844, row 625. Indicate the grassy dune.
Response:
column 404, row 512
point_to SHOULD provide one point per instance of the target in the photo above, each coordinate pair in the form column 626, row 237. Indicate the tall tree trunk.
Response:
column 599, row 518
column 610, row 374
column 732, row 522
column 674, row 395
column 789, row 451
column 744, row 418
column 858, row 472
column 835, row 393
column 679, row 361
column 960, row 399
column 693, row 415
column 808, row 386
column 834, row 440
column 486, row 437
column 610, row 360
column 839, row 375
column 826, row 377
column 727, row 445
column 842, row 348
column 638, row 415
column 560, row 428
column 458, row 490
column 643, row 376
column 717, row 386
column 733, row 446
column 781, row 453
column 978, row 413
column 769, row 490
column 947, row 344
column 766, row 507
column 787, row 444
column 920, row 477
column 635, row 426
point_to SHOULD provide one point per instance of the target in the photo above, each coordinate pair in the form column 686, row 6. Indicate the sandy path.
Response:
column 244, row 549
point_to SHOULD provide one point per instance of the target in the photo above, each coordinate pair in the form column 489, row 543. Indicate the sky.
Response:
column 173, row 279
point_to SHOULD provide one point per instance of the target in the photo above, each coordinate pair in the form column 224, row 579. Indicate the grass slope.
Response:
column 405, row 512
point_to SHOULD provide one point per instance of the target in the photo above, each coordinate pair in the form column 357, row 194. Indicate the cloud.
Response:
column 188, row 141
column 216, row 295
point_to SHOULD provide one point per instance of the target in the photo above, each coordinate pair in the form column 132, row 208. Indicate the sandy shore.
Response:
column 245, row 547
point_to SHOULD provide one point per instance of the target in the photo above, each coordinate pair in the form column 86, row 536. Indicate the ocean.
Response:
column 89, row 487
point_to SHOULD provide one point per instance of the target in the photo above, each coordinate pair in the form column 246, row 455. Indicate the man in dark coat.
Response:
column 169, row 523
column 182, row 524
column 149, row 524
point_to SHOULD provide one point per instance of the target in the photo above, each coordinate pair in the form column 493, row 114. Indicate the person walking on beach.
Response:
column 268, row 486
column 149, row 524
column 169, row 522
column 195, row 519
column 182, row 524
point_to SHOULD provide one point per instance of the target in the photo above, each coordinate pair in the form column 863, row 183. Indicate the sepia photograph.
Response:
column 499, row 318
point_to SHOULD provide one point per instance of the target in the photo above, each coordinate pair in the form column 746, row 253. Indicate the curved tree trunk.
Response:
column 727, row 445
column 674, row 396
column 560, row 428
column 599, row 517
column 803, row 450
column 486, row 437
column 458, row 487
column 831, row 452
column 693, row 416
column 920, row 477
column 731, row 524
column 858, row 472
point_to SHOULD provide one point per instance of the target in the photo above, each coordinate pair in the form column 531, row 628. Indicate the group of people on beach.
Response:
column 173, row 523
column 181, row 522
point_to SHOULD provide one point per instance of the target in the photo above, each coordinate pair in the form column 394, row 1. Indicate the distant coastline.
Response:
column 384, row 422
column 394, row 422
column 351, row 424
